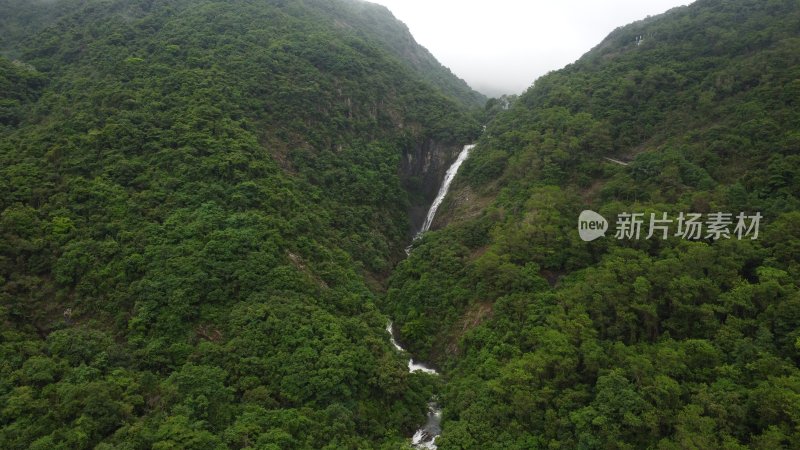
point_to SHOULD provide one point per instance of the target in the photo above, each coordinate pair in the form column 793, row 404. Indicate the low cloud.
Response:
column 502, row 46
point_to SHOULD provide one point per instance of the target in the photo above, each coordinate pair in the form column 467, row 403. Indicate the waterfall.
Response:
column 448, row 178
column 425, row 437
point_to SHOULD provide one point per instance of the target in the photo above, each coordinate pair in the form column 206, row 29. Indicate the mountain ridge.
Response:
column 549, row 341
column 197, row 197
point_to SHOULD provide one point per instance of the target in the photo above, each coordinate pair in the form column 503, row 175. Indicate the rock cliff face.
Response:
column 422, row 170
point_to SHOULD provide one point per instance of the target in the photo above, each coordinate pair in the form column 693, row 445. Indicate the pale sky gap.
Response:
column 502, row 46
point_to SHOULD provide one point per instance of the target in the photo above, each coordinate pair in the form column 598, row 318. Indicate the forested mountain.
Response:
column 194, row 197
column 547, row 341
column 201, row 202
column 377, row 24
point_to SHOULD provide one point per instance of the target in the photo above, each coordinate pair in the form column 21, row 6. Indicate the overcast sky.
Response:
column 502, row 46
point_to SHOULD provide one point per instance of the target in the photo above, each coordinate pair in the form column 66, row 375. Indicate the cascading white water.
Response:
column 425, row 437
column 412, row 366
column 448, row 178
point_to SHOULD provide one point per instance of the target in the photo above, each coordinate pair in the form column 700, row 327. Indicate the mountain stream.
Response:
column 425, row 437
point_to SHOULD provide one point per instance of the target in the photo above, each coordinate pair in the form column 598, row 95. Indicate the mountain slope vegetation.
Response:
column 193, row 197
column 377, row 24
column 547, row 341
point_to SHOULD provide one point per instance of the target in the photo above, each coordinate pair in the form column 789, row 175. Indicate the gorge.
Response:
column 204, row 206
column 425, row 437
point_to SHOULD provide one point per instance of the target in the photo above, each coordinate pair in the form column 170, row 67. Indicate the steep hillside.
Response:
column 192, row 196
column 377, row 24
column 372, row 22
column 552, row 342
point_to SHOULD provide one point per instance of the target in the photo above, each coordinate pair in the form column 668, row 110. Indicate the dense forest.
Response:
column 547, row 341
column 196, row 201
column 204, row 206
